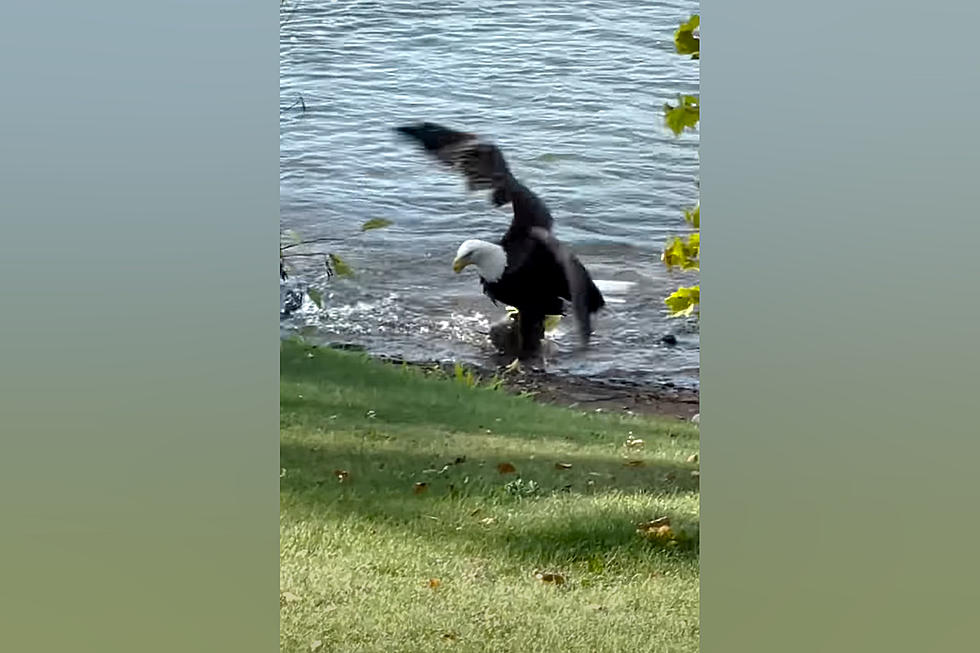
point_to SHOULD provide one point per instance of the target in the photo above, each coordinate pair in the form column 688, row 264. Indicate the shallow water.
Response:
column 572, row 95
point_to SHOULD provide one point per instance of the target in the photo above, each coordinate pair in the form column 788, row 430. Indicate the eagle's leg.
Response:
column 531, row 330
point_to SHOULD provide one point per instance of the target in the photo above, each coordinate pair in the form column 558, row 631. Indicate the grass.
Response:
column 372, row 561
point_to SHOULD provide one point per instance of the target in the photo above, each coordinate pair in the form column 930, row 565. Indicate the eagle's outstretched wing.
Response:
column 483, row 166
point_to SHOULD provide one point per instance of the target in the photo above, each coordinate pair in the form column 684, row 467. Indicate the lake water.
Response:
column 572, row 94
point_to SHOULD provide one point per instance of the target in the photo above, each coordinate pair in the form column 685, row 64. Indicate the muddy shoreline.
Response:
column 661, row 400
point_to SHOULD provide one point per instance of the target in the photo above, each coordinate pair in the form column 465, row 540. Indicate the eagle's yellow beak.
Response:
column 461, row 263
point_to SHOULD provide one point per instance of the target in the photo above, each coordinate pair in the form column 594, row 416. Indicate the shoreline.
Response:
column 588, row 394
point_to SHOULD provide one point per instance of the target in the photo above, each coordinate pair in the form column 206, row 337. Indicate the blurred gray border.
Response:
column 839, row 355
column 139, row 353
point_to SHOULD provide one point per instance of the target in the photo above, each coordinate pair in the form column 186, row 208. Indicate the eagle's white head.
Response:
column 489, row 258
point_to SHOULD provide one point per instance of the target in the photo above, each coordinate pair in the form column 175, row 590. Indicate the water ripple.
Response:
column 573, row 94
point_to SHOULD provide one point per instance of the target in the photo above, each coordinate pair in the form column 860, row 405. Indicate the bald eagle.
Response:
column 528, row 268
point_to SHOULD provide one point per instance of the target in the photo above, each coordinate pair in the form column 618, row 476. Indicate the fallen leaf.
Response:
column 563, row 465
column 658, row 529
column 658, row 533
column 548, row 577
column 419, row 488
column 486, row 521
column 341, row 474
column 659, row 521
column 693, row 458
column 434, row 583
column 376, row 223
column 506, row 468
column 316, row 296
column 316, row 646
column 634, row 463
column 634, row 442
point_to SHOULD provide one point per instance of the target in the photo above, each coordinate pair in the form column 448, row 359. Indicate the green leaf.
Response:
column 316, row 296
column 673, row 254
column 683, row 301
column 376, row 223
column 693, row 217
column 684, row 39
column 693, row 250
column 292, row 237
column 683, row 254
column 686, row 114
column 340, row 266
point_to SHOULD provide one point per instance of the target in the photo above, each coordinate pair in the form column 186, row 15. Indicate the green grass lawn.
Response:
column 372, row 560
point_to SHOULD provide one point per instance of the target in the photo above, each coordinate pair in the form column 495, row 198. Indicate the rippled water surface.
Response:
column 572, row 92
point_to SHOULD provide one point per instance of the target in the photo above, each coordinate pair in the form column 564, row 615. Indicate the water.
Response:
column 573, row 95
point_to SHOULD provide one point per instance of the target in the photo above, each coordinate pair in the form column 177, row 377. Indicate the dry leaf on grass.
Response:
column 486, row 521
column 434, row 583
column 316, row 646
column 506, row 468
column 663, row 533
column 693, row 458
column 634, row 442
column 655, row 523
column 548, row 577
column 419, row 488
column 660, row 530
column 563, row 465
column 657, row 529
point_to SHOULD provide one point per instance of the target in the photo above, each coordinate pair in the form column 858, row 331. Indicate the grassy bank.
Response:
column 403, row 527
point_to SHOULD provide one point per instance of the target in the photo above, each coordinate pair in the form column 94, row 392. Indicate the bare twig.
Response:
column 299, row 99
